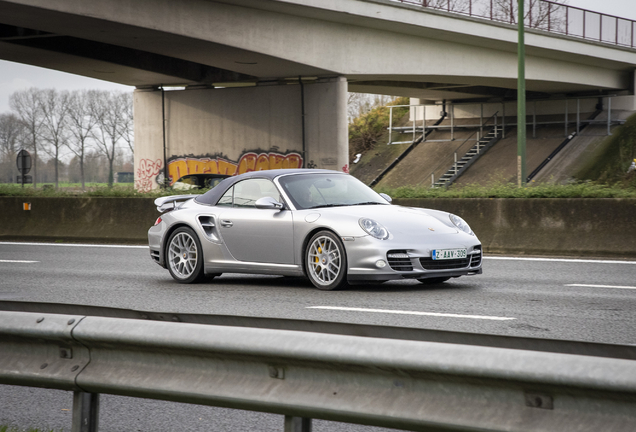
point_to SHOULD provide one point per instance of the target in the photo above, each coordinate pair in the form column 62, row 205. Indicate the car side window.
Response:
column 226, row 199
column 247, row 192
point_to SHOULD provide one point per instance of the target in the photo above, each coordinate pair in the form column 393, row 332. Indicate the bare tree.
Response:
column 461, row 6
column 82, row 120
column 11, row 135
column 109, row 113
column 28, row 106
column 55, row 106
column 127, row 124
column 537, row 13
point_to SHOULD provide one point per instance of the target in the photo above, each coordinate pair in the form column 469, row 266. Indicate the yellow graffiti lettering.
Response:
column 262, row 163
column 226, row 167
column 248, row 162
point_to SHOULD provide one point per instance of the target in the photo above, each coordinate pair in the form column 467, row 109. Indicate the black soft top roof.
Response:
column 212, row 196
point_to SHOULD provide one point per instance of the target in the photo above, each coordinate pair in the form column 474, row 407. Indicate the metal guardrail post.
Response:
column 609, row 115
column 414, row 122
column 432, row 179
column 566, row 118
column 534, row 119
column 424, row 122
column 455, row 163
column 390, row 124
column 85, row 412
column 496, row 131
column 297, row 424
column 578, row 115
column 503, row 120
column 452, row 112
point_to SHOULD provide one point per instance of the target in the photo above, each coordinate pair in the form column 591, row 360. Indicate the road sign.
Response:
column 24, row 162
column 26, row 179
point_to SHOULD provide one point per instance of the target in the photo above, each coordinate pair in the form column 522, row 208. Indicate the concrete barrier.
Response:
column 561, row 226
column 106, row 220
column 568, row 227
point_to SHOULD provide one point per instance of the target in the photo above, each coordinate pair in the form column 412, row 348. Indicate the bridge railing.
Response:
column 544, row 15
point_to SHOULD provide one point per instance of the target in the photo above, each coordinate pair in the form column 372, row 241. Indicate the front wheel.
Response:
column 185, row 257
column 326, row 261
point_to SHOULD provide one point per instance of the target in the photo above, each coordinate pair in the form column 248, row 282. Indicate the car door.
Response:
column 256, row 235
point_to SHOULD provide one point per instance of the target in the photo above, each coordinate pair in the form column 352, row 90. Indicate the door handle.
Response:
column 226, row 223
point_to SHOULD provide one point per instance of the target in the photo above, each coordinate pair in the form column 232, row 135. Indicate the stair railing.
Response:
column 455, row 166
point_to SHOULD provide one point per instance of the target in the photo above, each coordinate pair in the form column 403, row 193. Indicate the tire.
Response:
column 326, row 261
column 433, row 281
column 184, row 256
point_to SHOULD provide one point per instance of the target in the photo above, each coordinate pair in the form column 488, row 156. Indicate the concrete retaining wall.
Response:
column 109, row 220
column 572, row 227
column 568, row 227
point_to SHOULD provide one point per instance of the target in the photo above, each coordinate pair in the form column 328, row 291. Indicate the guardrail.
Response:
column 544, row 15
column 380, row 381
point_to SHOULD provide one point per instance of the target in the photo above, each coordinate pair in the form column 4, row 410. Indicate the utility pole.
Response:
column 521, row 100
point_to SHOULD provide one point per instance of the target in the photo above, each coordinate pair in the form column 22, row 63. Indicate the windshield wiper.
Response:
column 327, row 205
column 368, row 203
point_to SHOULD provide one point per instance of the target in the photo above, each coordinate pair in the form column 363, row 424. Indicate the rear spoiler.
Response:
column 170, row 202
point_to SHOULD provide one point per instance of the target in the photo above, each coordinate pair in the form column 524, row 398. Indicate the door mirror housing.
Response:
column 268, row 203
column 386, row 197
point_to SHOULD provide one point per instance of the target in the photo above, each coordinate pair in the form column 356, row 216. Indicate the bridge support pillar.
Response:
column 236, row 130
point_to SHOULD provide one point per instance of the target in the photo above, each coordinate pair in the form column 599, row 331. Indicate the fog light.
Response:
column 380, row 264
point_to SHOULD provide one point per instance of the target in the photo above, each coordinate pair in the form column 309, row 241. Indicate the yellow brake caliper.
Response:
column 319, row 251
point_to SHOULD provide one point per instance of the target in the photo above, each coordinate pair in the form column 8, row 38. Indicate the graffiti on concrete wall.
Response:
column 250, row 161
column 150, row 173
column 147, row 174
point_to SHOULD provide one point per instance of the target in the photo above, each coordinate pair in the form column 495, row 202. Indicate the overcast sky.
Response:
column 16, row 76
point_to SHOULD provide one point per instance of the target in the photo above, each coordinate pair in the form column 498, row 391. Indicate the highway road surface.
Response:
column 571, row 299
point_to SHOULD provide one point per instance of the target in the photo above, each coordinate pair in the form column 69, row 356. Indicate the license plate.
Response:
column 444, row 254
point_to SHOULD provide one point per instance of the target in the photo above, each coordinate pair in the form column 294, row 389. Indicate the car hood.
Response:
column 403, row 223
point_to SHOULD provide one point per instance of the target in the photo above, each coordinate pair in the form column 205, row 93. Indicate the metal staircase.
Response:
column 492, row 136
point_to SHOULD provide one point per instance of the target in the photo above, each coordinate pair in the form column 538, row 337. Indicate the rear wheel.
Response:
column 326, row 261
column 184, row 255
column 433, row 281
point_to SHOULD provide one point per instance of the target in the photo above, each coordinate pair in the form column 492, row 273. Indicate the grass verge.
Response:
column 117, row 191
column 623, row 189
column 509, row 190
column 16, row 429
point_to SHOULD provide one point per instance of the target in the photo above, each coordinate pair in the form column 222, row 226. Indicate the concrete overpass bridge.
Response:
column 240, row 63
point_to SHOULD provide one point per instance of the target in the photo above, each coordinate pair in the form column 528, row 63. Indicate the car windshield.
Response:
column 328, row 190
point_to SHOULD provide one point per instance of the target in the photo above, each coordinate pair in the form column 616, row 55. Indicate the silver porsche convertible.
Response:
column 325, row 225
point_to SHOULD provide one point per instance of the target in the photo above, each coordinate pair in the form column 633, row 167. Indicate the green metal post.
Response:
column 521, row 100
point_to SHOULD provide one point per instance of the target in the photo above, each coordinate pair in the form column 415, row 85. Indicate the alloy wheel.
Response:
column 183, row 255
column 324, row 260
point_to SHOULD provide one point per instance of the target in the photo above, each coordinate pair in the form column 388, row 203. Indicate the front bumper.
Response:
column 415, row 262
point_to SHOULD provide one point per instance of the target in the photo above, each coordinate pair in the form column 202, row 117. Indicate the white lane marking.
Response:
column 401, row 312
column 74, row 245
column 570, row 260
column 18, row 261
column 601, row 286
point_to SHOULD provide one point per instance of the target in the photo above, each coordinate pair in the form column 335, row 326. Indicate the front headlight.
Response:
column 461, row 224
column 374, row 228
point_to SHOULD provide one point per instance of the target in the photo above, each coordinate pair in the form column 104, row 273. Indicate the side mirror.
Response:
column 268, row 203
column 386, row 197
